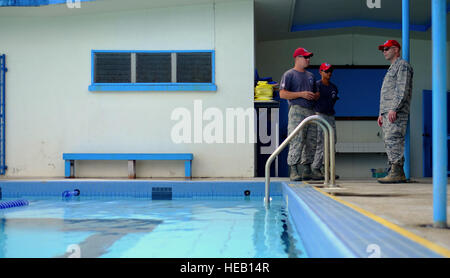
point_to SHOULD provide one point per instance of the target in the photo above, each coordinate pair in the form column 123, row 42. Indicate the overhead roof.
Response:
column 278, row 19
column 287, row 19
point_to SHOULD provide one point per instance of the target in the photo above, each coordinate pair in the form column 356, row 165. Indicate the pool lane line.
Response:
column 424, row 242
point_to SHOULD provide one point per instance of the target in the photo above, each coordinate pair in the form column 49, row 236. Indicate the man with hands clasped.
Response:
column 395, row 100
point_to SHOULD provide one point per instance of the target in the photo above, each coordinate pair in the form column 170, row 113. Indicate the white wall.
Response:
column 49, row 109
column 273, row 58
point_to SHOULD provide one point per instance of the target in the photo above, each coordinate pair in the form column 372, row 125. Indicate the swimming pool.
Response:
column 127, row 227
column 189, row 219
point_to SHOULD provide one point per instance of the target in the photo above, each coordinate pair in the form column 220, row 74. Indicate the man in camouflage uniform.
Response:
column 298, row 86
column 395, row 101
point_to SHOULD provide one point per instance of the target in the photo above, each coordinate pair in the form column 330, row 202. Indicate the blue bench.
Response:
column 131, row 157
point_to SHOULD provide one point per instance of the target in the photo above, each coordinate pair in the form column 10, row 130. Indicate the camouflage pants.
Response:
column 320, row 146
column 302, row 146
column 394, row 137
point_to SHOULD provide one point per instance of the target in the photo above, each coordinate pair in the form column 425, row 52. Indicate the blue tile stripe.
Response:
column 136, row 188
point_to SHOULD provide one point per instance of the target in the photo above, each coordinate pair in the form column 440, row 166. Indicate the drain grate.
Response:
column 161, row 193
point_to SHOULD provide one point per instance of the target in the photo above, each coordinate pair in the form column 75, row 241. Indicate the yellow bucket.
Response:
column 263, row 91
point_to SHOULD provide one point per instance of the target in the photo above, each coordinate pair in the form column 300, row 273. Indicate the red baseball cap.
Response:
column 302, row 52
column 325, row 66
column 389, row 43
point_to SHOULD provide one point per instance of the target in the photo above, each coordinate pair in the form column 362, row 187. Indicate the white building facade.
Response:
column 50, row 109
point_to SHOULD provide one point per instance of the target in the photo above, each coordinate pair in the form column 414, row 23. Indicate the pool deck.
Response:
column 409, row 205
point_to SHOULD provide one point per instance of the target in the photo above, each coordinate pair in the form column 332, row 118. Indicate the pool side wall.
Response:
column 318, row 239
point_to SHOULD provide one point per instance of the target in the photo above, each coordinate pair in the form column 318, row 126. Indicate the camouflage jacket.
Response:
column 397, row 88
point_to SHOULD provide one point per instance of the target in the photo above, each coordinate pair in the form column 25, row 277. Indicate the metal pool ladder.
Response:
column 328, row 134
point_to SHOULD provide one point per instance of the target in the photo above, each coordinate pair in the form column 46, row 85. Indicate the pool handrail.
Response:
column 329, row 175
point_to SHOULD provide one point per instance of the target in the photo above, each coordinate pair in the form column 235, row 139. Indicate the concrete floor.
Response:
column 408, row 205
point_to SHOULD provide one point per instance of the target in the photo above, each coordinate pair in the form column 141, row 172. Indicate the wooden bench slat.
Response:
column 128, row 156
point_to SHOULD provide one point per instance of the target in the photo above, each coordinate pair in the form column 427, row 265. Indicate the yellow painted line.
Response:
column 428, row 244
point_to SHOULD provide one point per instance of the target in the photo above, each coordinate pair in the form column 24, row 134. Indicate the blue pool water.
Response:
column 111, row 227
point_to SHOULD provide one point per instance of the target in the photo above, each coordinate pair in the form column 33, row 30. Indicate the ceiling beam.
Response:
column 358, row 23
column 291, row 14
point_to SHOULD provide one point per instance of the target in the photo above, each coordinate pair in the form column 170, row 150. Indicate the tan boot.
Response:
column 316, row 174
column 305, row 171
column 396, row 175
column 322, row 171
column 294, row 175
